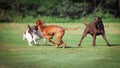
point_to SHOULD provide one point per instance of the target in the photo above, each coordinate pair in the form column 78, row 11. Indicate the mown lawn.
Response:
column 16, row 53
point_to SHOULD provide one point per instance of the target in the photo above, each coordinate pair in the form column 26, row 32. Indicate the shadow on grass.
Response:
column 114, row 44
column 59, row 46
column 110, row 45
column 71, row 47
column 43, row 45
column 76, row 46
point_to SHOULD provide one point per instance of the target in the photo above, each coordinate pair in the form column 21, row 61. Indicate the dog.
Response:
column 52, row 30
column 32, row 35
column 95, row 28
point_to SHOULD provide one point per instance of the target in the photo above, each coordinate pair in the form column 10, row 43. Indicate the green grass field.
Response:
column 16, row 53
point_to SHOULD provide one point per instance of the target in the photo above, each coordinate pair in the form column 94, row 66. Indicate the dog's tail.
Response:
column 72, row 28
column 85, row 23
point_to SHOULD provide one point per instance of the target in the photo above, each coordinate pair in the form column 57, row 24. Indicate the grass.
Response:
column 50, row 19
column 16, row 53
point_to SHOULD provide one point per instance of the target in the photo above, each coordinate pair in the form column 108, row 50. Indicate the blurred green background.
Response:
column 58, row 10
column 15, row 15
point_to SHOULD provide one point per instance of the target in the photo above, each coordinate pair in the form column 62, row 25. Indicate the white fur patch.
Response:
column 32, row 38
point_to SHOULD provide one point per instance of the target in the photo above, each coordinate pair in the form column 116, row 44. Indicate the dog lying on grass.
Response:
column 32, row 35
column 94, row 28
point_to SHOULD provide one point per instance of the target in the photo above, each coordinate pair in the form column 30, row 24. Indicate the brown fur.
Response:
column 94, row 28
column 49, row 31
column 31, row 28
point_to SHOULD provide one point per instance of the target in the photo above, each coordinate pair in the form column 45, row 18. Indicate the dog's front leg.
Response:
column 30, row 43
column 94, row 40
column 34, row 41
column 83, row 36
column 51, row 41
column 24, row 37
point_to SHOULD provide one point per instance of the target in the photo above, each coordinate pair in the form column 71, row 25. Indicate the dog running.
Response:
column 95, row 28
column 32, row 35
column 53, row 30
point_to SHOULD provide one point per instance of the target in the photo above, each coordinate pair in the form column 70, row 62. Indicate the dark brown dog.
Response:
column 49, row 31
column 94, row 28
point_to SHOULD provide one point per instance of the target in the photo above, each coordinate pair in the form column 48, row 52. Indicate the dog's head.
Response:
column 40, row 22
column 98, row 23
column 32, row 29
column 97, row 20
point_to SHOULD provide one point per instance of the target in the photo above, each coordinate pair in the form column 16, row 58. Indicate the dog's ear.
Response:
column 99, row 19
column 36, row 28
column 39, row 22
column 29, row 27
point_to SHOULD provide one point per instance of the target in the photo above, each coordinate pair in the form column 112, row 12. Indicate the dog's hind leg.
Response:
column 59, row 39
column 64, row 45
column 45, row 41
column 60, row 42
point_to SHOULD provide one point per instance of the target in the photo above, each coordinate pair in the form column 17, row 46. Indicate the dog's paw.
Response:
column 79, row 44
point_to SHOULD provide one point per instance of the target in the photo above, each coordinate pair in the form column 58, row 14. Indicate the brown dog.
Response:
column 49, row 31
column 94, row 28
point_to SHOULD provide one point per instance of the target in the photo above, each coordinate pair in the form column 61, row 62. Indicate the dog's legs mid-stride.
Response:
column 95, row 28
column 50, row 31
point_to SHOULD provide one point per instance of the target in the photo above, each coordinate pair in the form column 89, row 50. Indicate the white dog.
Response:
column 32, row 35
